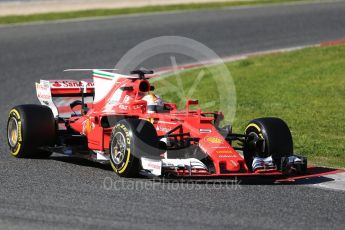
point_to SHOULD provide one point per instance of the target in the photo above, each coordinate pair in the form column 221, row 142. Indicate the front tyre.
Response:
column 130, row 140
column 268, row 136
column 30, row 127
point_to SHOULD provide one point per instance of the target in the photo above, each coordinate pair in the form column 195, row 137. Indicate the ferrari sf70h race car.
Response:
column 117, row 119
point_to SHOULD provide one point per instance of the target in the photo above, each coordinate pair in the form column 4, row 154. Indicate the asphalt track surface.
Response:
column 69, row 193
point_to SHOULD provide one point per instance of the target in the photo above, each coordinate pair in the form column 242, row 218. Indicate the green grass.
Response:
column 133, row 10
column 306, row 88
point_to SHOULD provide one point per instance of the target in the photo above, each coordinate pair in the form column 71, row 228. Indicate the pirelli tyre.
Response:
column 30, row 127
column 268, row 136
column 130, row 140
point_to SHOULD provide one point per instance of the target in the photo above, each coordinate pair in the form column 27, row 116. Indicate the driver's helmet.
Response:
column 154, row 103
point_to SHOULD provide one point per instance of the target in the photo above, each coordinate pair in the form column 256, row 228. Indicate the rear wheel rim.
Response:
column 12, row 132
column 119, row 149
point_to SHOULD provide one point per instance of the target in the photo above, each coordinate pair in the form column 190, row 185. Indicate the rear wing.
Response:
column 59, row 94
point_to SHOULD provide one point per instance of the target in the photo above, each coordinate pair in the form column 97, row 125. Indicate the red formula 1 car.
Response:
column 116, row 118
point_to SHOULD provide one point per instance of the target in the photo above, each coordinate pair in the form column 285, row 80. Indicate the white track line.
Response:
column 336, row 182
column 194, row 65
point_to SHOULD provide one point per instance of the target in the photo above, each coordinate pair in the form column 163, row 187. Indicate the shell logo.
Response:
column 214, row 140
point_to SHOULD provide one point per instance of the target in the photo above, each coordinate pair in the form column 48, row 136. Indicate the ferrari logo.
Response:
column 87, row 127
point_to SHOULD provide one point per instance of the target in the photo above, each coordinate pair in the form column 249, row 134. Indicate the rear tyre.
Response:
column 267, row 137
column 130, row 140
column 30, row 127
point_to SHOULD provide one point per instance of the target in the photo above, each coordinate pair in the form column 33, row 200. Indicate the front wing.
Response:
column 193, row 167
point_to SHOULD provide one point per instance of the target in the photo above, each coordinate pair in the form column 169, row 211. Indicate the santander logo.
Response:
column 56, row 84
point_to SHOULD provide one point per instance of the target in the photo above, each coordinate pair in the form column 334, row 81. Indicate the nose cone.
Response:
column 233, row 165
column 224, row 157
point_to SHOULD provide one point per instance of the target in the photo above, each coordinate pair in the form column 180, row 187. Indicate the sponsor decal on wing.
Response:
column 214, row 140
